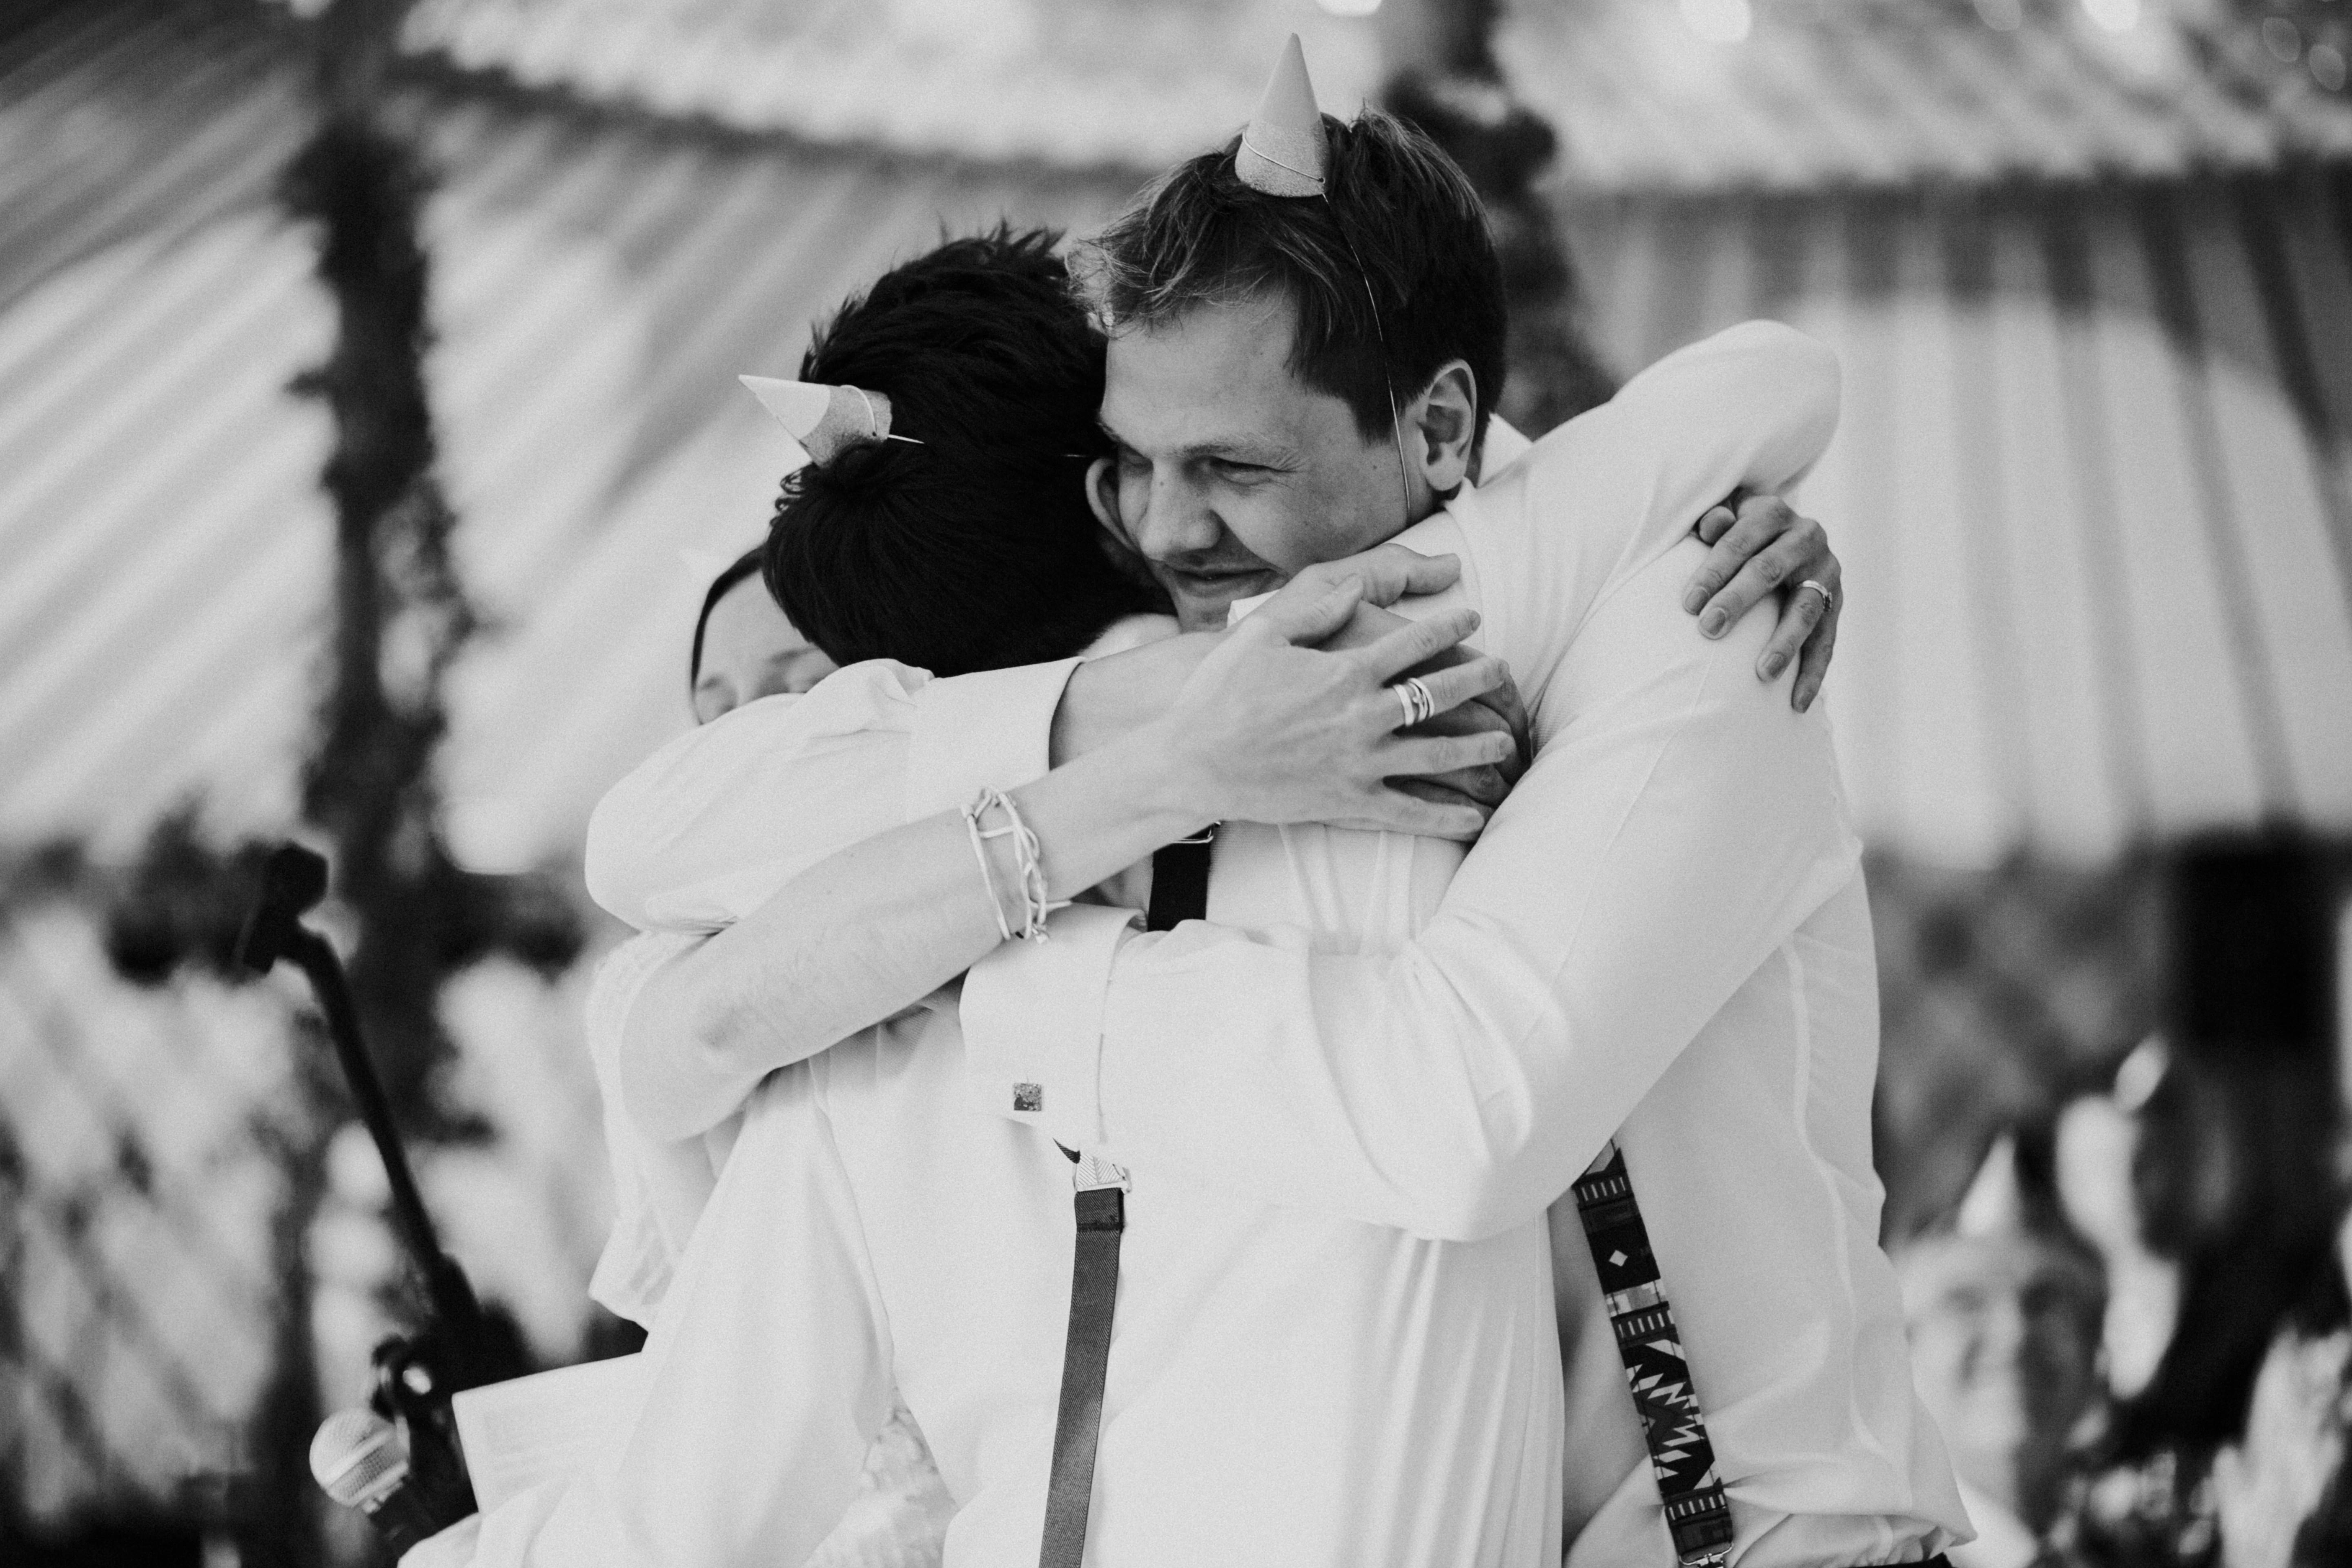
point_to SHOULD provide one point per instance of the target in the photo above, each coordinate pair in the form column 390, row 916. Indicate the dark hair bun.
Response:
column 859, row 469
column 975, row 549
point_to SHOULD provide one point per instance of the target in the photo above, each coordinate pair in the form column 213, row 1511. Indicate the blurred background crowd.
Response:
column 369, row 435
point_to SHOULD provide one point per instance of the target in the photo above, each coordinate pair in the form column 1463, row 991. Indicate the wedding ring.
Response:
column 1828, row 598
column 1419, row 705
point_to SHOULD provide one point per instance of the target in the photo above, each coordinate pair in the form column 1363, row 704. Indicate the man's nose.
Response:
column 1177, row 520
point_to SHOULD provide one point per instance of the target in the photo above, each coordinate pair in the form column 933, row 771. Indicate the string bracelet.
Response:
column 972, row 815
column 1027, row 852
column 1033, row 873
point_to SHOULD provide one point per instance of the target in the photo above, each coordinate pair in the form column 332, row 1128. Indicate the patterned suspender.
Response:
column 1651, row 1347
column 1672, row 1425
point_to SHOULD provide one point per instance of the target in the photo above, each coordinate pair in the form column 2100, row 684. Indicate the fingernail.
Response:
column 1772, row 663
column 1692, row 600
column 1712, row 625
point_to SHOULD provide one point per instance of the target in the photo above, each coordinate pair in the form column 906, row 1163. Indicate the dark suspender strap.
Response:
column 1180, row 882
column 1086, row 1357
column 1180, row 892
column 1651, row 1347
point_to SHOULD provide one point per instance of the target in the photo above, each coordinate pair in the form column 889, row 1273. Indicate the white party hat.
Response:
column 1283, row 151
column 1995, row 1204
column 823, row 419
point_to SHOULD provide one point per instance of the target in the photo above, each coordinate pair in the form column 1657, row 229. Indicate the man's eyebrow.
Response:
column 1239, row 448
column 1266, row 455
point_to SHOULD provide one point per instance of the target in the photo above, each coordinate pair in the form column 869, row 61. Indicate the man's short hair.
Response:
column 975, row 549
column 1399, row 223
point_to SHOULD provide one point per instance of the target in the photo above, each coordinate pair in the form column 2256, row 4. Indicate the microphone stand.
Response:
column 457, row 1348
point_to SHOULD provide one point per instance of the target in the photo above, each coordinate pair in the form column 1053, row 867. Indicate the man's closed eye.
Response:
column 1240, row 473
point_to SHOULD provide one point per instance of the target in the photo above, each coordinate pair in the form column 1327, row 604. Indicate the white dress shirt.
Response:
column 869, row 1227
column 2003, row 1540
column 660, row 1185
column 1663, row 936
column 1462, row 1125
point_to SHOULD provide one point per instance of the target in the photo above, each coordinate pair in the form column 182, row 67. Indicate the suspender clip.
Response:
column 1091, row 1173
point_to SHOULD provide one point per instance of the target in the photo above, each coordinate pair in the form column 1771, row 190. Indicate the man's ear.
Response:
column 1440, row 428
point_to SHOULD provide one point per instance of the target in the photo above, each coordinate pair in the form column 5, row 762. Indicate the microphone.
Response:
column 359, row 1459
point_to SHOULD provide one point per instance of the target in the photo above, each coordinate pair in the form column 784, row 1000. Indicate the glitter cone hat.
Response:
column 822, row 419
column 1283, row 151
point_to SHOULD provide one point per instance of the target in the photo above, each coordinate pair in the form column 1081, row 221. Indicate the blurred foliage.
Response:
column 401, row 620
column 1457, row 95
column 2294, row 45
column 2003, row 994
column 182, row 903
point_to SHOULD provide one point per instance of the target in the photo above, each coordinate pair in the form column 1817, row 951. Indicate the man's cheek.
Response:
column 1272, row 529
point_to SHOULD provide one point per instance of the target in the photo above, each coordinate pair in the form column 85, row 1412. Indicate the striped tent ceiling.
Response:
column 1902, row 92
column 2092, row 496
column 596, row 290
column 2091, row 487
column 1072, row 82
column 1693, row 94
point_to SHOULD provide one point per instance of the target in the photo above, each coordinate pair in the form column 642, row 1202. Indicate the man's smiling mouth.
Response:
column 1216, row 579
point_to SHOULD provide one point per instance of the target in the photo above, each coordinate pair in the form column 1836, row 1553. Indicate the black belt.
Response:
column 1180, row 892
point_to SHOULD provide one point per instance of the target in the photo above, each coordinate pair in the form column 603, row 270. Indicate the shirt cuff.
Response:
column 1033, row 1015
column 995, row 728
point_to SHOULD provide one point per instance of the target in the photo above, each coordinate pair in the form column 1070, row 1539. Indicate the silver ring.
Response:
column 1828, row 598
column 1419, row 705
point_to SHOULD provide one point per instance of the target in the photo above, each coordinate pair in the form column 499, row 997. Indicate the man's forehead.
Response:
column 1217, row 375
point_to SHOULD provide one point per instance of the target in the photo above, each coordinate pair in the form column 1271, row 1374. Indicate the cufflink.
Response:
column 1028, row 1097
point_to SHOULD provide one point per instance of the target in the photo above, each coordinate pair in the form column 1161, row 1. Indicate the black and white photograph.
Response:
column 1175, row 784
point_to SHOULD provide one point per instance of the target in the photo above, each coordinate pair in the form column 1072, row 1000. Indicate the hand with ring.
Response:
column 1271, row 728
column 1759, row 546
column 1419, row 705
column 1392, row 572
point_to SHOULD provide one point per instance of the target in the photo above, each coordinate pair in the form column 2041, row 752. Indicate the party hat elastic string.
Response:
column 1388, row 382
column 1284, row 152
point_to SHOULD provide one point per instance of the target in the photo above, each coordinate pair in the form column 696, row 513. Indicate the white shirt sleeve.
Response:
column 710, row 828
column 1593, row 501
column 766, row 1378
column 1678, row 823
column 707, row 829
column 1675, row 834
column 660, row 1186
